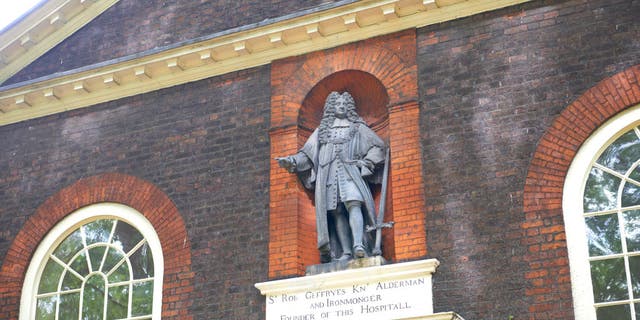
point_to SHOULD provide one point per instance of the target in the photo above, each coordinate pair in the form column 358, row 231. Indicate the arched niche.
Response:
column 371, row 98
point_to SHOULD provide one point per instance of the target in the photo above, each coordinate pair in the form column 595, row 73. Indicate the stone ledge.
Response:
column 438, row 316
column 345, row 265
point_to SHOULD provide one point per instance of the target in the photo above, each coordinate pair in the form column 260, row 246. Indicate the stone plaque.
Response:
column 398, row 291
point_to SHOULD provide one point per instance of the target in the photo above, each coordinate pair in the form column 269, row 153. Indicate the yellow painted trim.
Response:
column 43, row 29
column 237, row 51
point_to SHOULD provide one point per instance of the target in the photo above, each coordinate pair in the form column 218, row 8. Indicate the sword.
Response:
column 379, row 224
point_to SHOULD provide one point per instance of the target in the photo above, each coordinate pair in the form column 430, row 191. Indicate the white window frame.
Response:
column 572, row 205
column 69, row 224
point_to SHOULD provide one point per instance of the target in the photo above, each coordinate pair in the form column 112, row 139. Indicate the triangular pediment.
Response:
column 42, row 29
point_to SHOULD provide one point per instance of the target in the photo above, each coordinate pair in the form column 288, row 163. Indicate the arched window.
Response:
column 601, row 204
column 103, row 261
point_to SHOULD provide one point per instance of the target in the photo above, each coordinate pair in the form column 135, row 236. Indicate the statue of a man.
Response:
column 339, row 160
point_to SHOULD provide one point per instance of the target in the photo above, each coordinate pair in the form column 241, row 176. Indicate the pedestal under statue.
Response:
column 339, row 161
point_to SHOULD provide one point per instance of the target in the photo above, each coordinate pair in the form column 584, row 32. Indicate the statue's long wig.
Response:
column 329, row 114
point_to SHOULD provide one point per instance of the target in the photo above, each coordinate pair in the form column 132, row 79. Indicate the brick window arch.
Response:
column 101, row 261
column 133, row 192
column 601, row 202
column 549, row 290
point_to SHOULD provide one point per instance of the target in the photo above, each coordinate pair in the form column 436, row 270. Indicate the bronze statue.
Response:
column 338, row 161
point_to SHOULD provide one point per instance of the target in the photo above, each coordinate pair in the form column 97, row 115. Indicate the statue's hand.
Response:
column 287, row 163
column 366, row 167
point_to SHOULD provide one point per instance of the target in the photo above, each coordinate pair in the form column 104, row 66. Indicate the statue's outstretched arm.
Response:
column 295, row 163
column 287, row 163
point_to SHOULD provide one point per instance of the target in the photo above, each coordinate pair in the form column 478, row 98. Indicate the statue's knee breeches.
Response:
column 352, row 204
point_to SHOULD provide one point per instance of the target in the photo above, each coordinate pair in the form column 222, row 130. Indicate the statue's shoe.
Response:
column 359, row 251
column 345, row 257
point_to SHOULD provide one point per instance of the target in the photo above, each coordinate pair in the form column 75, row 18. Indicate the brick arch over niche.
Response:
column 386, row 65
column 112, row 187
column 543, row 228
column 368, row 92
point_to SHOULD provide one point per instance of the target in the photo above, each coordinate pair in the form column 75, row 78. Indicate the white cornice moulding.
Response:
column 43, row 29
column 230, row 52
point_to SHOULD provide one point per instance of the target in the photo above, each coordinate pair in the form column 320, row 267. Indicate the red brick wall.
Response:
column 549, row 283
column 490, row 87
column 384, row 67
column 131, row 191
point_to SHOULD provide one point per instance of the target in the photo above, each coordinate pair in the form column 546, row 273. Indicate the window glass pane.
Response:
column 69, row 247
column 601, row 191
column 117, row 303
column 609, row 280
column 126, row 237
column 634, row 266
column 622, row 153
column 632, row 229
column 142, row 262
column 142, row 298
column 71, row 282
column 69, row 305
column 96, row 255
column 93, row 298
column 114, row 256
column 620, row 312
column 120, row 274
column 630, row 195
column 46, row 308
column 635, row 174
column 79, row 264
column 98, row 231
column 96, row 280
column 50, row 277
column 603, row 233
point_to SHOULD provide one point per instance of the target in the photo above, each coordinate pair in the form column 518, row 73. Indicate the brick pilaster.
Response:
column 406, row 182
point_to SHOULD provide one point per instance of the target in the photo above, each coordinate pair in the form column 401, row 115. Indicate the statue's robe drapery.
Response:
column 316, row 161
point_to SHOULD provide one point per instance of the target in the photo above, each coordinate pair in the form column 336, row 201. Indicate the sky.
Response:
column 11, row 10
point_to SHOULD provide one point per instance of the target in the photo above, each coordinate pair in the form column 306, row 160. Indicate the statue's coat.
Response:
column 365, row 144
